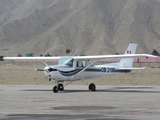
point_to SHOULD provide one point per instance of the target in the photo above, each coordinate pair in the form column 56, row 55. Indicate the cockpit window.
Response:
column 69, row 63
column 66, row 61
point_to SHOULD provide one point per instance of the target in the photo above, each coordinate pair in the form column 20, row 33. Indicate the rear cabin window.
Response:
column 81, row 64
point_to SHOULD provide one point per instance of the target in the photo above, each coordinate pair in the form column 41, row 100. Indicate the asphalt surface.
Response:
column 38, row 102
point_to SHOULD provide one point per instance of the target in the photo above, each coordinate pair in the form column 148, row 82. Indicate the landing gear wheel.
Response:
column 60, row 87
column 92, row 87
column 55, row 89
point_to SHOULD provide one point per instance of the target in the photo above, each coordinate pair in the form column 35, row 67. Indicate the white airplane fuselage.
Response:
column 66, row 73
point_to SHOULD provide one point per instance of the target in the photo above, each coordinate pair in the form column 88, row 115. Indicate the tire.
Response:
column 92, row 87
column 55, row 89
column 60, row 87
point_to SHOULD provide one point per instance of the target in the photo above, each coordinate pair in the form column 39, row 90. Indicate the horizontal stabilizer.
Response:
column 132, row 68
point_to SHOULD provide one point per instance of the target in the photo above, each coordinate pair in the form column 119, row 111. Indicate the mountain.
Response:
column 89, row 26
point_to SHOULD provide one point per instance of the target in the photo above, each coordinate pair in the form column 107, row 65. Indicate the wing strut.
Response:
column 84, row 69
column 44, row 63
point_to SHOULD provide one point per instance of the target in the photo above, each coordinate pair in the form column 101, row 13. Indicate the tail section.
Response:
column 128, row 62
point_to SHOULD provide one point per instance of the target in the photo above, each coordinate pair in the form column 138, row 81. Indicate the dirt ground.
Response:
column 23, row 73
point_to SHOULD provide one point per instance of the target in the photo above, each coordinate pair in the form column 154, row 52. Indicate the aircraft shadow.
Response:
column 60, row 116
column 40, row 90
column 112, row 90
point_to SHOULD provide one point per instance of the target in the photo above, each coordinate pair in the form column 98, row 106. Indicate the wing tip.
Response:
column 1, row 58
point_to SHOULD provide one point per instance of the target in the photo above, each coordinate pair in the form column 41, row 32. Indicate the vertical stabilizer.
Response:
column 128, row 62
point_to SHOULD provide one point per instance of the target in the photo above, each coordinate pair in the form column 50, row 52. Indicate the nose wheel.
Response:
column 58, row 87
column 55, row 89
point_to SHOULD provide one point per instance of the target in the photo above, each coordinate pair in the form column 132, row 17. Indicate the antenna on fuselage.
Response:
column 75, row 53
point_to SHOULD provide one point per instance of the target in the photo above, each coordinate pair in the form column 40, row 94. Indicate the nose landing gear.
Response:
column 58, row 87
column 55, row 89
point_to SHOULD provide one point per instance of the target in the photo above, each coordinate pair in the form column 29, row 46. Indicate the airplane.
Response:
column 74, row 68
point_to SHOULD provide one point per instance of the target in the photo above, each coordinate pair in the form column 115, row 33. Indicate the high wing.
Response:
column 30, row 58
column 112, row 56
column 96, row 57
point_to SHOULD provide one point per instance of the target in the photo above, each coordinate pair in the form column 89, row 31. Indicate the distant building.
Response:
column 30, row 55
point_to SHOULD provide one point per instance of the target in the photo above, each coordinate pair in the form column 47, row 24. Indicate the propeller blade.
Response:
column 39, row 69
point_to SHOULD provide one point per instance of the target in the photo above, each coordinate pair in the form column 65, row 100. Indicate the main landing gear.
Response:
column 60, row 87
column 92, row 87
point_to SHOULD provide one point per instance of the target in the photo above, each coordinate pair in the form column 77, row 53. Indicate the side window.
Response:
column 83, row 63
column 77, row 64
column 80, row 63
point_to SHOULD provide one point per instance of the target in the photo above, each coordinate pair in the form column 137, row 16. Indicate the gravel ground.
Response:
column 22, row 73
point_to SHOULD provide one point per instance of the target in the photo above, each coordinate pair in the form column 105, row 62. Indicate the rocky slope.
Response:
column 91, row 26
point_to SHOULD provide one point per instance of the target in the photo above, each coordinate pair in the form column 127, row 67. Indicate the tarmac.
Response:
column 38, row 102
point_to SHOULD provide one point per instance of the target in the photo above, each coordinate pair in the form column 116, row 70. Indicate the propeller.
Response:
column 47, row 68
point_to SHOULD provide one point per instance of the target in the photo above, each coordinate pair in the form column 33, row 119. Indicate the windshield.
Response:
column 66, row 61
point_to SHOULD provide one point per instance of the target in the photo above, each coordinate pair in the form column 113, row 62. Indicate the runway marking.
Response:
column 83, row 107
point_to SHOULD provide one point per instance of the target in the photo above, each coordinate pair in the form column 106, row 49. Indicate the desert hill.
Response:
column 91, row 26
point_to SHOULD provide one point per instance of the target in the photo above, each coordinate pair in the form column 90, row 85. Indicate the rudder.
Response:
column 128, row 62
